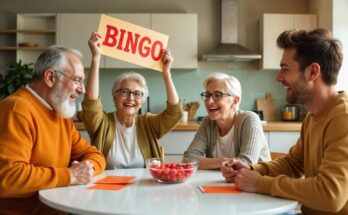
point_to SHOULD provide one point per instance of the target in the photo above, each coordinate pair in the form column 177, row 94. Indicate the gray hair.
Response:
column 133, row 76
column 232, row 84
column 54, row 57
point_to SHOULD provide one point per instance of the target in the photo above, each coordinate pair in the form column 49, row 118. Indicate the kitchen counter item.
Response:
column 267, row 106
column 191, row 108
column 291, row 113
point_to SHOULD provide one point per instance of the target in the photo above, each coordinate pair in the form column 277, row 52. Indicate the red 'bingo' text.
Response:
column 128, row 41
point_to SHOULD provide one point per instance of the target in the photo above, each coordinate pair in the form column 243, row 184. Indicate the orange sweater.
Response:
column 36, row 148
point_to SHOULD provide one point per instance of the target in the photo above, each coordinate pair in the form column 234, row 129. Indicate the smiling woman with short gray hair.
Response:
column 227, row 132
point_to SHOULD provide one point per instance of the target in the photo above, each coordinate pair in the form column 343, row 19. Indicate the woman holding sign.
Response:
column 125, row 138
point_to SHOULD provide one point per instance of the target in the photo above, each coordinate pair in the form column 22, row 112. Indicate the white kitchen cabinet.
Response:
column 175, row 143
column 182, row 32
column 282, row 141
column 272, row 25
column 74, row 30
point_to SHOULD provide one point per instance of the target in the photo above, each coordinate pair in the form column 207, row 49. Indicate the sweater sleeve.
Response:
column 199, row 145
column 81, row 150
column 251, row 139
column 160, row 124
column 92, row 115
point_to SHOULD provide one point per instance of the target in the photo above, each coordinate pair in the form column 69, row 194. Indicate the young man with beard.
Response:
column 315, row 170
column 40, row 147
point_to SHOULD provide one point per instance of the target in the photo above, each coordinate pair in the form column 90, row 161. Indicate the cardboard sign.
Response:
column 132, row 43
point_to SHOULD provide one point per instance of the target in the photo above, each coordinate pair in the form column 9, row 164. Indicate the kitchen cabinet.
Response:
column 74, row 30
column 282, row 141
column 181, row 28
column 32, row 34
column 175, row 144
column 272, row 25
column 182, row 31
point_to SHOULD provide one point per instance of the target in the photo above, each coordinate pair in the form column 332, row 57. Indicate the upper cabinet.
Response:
column 182, row 32
column 272, row 25
column 32, row 34
column 75, row 29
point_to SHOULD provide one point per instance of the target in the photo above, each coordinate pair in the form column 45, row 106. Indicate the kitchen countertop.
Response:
column 193, row 126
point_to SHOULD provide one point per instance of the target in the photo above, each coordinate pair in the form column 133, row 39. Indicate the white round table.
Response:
column 146, row 196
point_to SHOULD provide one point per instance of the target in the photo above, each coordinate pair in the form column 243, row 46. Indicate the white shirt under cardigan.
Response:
column 250, row 144
column 225, row 145
column 125, row 151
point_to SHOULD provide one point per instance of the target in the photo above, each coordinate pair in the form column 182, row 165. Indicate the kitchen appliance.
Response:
column 229, row 49
column 291, row 112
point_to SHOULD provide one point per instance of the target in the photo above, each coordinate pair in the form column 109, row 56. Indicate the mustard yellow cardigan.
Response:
column 150, row 127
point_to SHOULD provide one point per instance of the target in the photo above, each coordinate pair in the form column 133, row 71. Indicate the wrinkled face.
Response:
column 68, row 87
column 221, row 109
column 293, row 80
column 128, row 104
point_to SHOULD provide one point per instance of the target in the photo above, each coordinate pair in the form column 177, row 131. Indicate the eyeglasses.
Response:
column 126, row 93
column 217, row 95
column 77, row 81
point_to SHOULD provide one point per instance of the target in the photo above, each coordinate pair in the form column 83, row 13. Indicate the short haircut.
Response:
column 131, row 76
column 315, row 46
column 232, row 84
column 54, row 57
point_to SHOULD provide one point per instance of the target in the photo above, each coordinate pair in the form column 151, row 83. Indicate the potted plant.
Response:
column 18, row 75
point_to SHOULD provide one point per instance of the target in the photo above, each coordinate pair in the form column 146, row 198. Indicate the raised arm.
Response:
column 172, row 95
column 92, row 87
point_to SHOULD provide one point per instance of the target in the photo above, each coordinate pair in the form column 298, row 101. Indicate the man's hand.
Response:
column 230, row 169
column 246, row 180
column 81, row 172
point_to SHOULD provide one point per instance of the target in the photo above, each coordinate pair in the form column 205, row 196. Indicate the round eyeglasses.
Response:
column 217, row 95
column 126, row 93
column 77, row 81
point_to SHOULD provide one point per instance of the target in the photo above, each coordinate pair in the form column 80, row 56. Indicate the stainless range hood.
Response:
column 229, row 49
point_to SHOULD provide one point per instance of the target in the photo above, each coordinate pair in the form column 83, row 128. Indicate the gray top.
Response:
column 250, row 142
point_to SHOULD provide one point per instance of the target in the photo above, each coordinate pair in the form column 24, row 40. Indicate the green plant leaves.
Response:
column 17, row 76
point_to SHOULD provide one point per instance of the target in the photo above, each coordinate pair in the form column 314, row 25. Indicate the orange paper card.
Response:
column 115, row 179
column 219, row 189
column 108, row 186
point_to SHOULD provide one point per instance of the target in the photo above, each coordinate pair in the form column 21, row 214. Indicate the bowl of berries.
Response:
column 171, row 173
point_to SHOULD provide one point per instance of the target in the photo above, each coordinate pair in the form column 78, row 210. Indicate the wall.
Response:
column 340, row 30
column 254, row 82
column 333, row 16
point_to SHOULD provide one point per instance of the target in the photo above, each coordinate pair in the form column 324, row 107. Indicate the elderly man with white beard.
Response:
column 40, row 147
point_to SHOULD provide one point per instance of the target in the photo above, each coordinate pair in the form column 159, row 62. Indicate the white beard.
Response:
column 62, row 105
column 65, row 109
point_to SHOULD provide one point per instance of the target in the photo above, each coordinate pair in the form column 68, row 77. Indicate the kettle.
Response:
column 291, row 112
